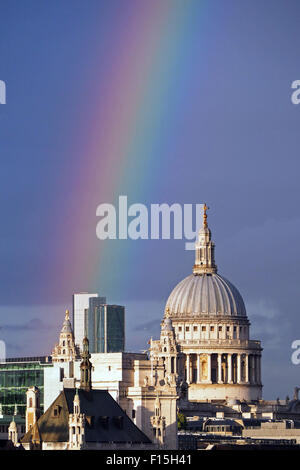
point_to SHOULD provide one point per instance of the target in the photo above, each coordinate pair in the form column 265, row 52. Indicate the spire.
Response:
column 204, row 249
column 85, row 367
column 76, row 403
column 205, row 207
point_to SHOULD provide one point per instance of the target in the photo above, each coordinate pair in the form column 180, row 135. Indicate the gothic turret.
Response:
column 13, row 432
column 85, row 367
column 76, row 425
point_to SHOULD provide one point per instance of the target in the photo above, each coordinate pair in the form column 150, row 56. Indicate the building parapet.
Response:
column 226, row 343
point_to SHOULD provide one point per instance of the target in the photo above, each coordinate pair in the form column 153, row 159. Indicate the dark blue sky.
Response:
column 229, row 135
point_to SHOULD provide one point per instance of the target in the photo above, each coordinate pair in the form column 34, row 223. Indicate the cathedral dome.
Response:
column 206, row 294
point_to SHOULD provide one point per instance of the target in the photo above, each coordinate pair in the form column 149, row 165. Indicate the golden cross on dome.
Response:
column 67, row 314
column 205, row 208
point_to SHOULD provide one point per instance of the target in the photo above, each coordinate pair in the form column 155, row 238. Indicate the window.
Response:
column 227, row 328
column 212, row 328
column 103, row 420
column 90, row 421
column 180, row 328
column 118, row 421
column 195, row 328
column 220, row 328
column 203, row 328
column 187, row 328
column 133, row 414
column 56, row 411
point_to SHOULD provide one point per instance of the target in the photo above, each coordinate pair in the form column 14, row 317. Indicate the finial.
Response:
column 205, row 208
column 67, row 314
column 167, row 312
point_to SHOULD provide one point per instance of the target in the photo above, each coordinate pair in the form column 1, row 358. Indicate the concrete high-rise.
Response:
column 80, row 304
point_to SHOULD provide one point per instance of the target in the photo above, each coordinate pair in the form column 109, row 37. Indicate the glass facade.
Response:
column 16, row 376
column 105, row 327
column 115, row 326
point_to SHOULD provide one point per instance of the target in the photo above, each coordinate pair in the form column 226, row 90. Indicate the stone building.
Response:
column 208, row 341
column 136, row 384
column 81, row 418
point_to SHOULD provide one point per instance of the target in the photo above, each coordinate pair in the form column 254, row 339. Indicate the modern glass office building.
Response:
column 16, row 376
column 105, row 327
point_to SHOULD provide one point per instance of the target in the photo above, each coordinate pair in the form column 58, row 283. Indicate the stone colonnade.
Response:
column 240, row 368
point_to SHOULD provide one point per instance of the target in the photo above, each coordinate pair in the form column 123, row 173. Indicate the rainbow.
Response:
column 131, row 95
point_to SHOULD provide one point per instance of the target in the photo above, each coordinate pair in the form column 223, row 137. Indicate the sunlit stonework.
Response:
column 205, row 334
column 65, row 350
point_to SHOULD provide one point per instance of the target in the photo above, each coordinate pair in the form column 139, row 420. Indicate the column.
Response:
column 209, row 368
column 229, row 365
column 256, row 369
column 247, row 368
column 169, row 364
column 198, row 369
column 220, row 369
column 252, row 369
column 238, row 368
column 259, row 368
column 188, row 369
